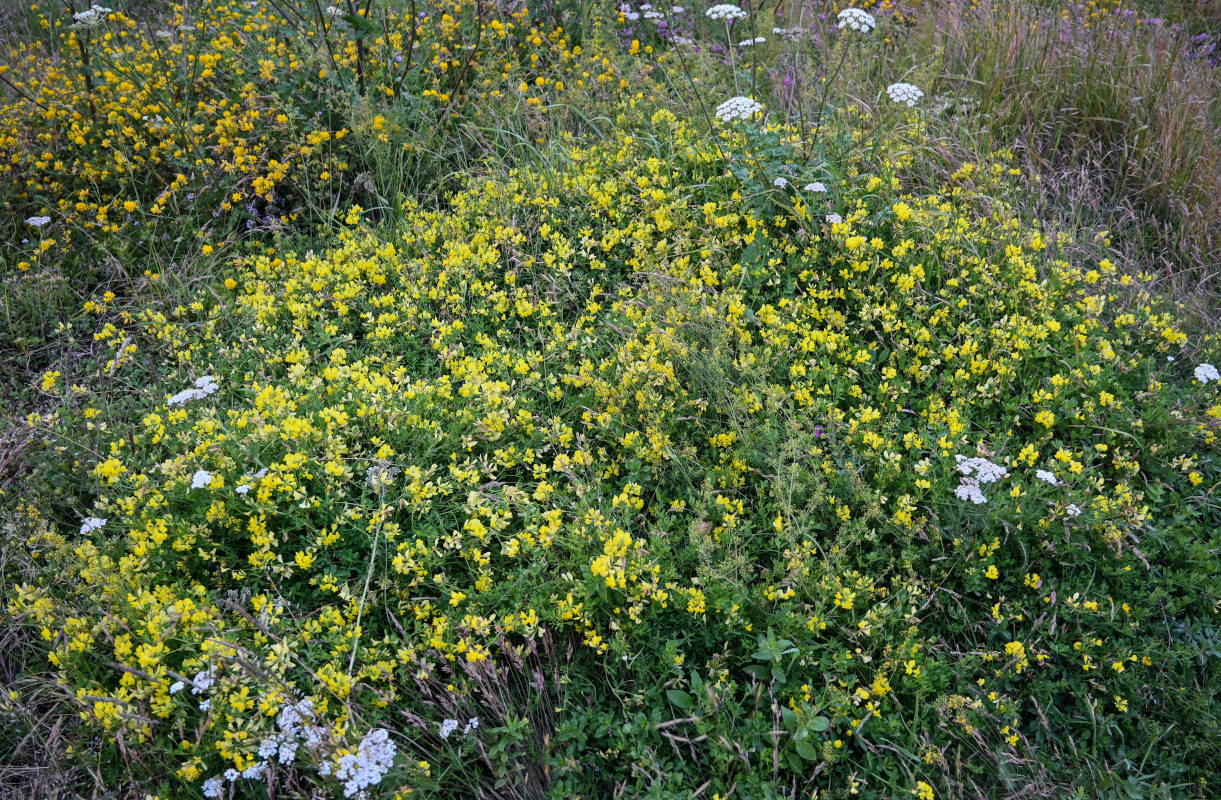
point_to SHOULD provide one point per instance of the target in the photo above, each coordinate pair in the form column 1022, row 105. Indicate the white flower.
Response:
column 1044, row 475
column 738, row 108
column 333, row 12
column 981, row 468
column 38, row 222
column 677, row 10
column 176, row 687
column 212, row 787
column 204, row 386
column 856, row 20
column 471, row 725
column 205, row 705
column 231, row 775
column 834, row 219
column 780, row 183
column 816, row 186
column 201, row 479
column 202, row 681
column 243, row 488
column 1206, row 373
column 448, row 727
column 749, row 42
column 968, row 489
column 681, row 40
column 1073, row 511
column 368, row 765
column 792, row 34
column 255, row 771
column 91, row 524
column 725, row 11
column 94, row 15
column 904, row 93
column 976, row 471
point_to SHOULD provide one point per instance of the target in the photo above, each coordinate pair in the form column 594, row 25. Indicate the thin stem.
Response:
column 823, row 104
column 699, row 98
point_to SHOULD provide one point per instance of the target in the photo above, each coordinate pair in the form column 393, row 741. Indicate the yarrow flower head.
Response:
column 1207, row 372
column 725, row 11
column 37, row 222
column 201, row 479
column 834, row 219
column 204, row 386
column 780, row 183
column 855, row 19
column 202, row 681
column 968, row 489
column 1049, row 477
column 366, row 767
column 904, row 93
column 94, row 15
column 91, row 524
column 448, row 727
column 981, row 469
column 749, row 42
column 816, row 186
column 738, row 108
column 976, row 471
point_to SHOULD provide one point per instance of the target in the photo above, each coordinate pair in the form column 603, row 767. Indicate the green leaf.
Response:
column 806, row 750
column 819, row 724
column 680, row 698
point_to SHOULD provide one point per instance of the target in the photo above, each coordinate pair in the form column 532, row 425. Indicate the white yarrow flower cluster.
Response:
column 1048, row 477
column 738, row 108
column 213, row 787
column 855, row 19
column 834, row 219
column 725, row 11
column 981, row 468
column 91, row 524
column 296, row 724
column 202, row 681
column 781, row 183
column 450, row 725
column 976, row 472
column 203, row 387
column 37, row 222
column 754, row 41
column 816, row 186
column 368, row 764
column 790, row 34
column 201, row 479
column 904, row 93
column 94, row 15
column 245, row 487
column 1207, row 372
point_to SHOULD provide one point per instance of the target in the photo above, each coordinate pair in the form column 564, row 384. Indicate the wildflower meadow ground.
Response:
column 456, row 398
